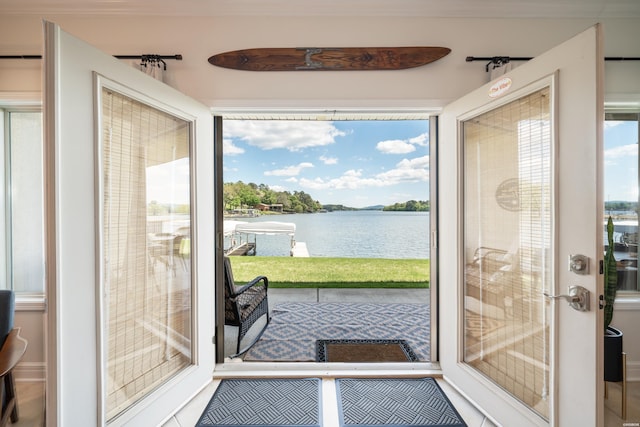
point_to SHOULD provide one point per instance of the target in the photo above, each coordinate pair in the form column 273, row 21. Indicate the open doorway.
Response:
column 353, row 263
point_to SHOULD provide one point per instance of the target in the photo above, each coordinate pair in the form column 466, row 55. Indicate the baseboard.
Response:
column 30, row 371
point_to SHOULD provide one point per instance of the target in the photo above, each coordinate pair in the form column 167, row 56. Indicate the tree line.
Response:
column 238, row 195
column 411, row 206
column 620, row 206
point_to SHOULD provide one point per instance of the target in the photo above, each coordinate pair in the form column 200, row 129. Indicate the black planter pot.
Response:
column 613, row 355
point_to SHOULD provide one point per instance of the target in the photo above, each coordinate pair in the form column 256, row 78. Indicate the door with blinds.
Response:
column 129, row 215
column 527, row 193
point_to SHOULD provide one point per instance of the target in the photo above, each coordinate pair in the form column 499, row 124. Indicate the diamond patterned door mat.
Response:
column 365, row 351
column 264, row 403
column 411, row 402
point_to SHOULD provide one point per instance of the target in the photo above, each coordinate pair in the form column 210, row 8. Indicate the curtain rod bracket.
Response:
column 495, row 61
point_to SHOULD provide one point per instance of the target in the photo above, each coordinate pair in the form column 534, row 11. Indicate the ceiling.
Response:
column 591, row 9
column 546, row 9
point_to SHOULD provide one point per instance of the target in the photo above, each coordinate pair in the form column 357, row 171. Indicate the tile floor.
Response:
column 612, row 405
column 31, row 406
column 30, row 403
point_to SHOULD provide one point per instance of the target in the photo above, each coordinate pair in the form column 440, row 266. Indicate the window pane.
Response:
column 24, row 198
column 146, row 247
column 507, row 241
column 621, row 194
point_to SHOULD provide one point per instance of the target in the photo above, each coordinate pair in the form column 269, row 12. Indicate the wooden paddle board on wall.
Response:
column 329, row 59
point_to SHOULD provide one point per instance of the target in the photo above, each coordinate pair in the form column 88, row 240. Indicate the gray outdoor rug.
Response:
column 264, row 403
column 414, row 402
column 295, row 328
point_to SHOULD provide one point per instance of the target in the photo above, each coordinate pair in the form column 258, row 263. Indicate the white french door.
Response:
column 129, row 240
column 520, row 165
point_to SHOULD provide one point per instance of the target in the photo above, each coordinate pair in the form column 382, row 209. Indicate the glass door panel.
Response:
column 507, row 246
column 146, row 248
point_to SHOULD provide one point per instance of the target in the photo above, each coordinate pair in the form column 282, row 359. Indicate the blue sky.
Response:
column 621, row 160
column 360, row 163
column 353, row 163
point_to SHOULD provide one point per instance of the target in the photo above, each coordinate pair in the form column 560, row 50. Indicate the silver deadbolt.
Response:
column 579, row 264
column 578, row 297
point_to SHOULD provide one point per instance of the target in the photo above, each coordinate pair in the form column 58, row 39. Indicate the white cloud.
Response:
column 407, row 170
column 403, row 146
column 621, row 151
column 289, row 170
column 613, row 123
column 315, row 184
column 395, row 146
column 291, row 135
column 398, row 175
column 229, row 149
column 417, row 163
column 421, row 140
column 351, row 180
column 329, row 160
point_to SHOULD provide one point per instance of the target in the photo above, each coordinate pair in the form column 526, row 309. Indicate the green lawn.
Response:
column 290, row 272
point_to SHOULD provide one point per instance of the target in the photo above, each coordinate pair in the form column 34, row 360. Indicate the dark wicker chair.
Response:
column 245, row 304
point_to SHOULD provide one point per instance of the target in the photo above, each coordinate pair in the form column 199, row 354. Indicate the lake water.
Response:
column 352, row 234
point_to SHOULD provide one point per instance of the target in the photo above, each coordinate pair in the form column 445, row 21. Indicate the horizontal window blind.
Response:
column 507, row 243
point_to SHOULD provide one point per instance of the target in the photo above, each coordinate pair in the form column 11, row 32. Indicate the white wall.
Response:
column 30, row 317
column 431, row 86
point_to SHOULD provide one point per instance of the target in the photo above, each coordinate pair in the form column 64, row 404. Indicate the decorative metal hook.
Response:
column 309, row 63
column 154, row 60
column 497, row 61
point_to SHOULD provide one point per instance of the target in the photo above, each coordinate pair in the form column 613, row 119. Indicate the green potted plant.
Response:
column 612, row 336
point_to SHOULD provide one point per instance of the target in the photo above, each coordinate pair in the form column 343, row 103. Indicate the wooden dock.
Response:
column 300, row 250
column 248, row 248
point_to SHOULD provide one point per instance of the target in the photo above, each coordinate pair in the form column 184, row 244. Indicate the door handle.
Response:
column 578, row 297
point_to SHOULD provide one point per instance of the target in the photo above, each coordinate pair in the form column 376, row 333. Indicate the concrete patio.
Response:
column 375, row 295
